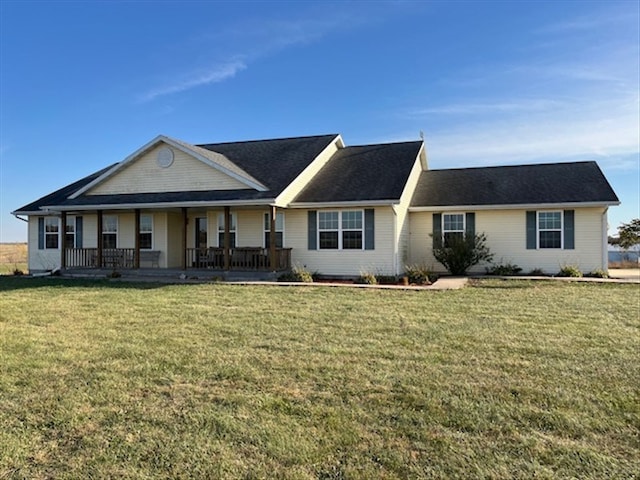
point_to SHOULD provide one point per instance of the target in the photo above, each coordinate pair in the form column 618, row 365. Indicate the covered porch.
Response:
column 185, row 239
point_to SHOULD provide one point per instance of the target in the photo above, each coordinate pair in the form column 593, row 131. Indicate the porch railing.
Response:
column 111, row 258
column 241, row 258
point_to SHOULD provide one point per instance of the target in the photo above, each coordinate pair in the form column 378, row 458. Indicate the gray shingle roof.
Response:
column 369, row 172
column 274, row 163
column 576, row 182
column 59, row 196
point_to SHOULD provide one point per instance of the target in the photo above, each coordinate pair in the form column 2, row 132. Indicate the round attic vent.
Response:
column 165, row 157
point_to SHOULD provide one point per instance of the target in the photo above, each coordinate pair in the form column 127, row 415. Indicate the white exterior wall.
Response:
column 185, row 174
column 342, row 262
column 506, row 238
column 45, row 259
column 402, row 218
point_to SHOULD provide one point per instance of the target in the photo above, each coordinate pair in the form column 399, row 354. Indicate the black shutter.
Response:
column 78, row 232
column 369, row 229
column 470, row 220
column 437, row 230
column 312, row 230
column 569, row 230
column 531, row 231
column 40, row 233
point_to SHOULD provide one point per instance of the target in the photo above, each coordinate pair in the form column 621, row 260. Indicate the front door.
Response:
column 201, row 232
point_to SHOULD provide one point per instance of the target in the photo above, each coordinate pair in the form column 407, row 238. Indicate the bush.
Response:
column 570, row 271
column 505, row 269
column 297, row 274
column 420, row 275
column 597, row 273
column 366, row 278
column 537, row 272
column 17, row 272
column 461, row 253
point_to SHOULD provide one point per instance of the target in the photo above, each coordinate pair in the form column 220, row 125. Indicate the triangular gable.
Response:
column 169, row 165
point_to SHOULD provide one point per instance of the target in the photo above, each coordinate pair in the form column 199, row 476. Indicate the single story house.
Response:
column 268, row 205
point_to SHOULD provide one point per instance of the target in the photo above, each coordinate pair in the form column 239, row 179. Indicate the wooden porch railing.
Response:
column 111, row 258
column 241, row 258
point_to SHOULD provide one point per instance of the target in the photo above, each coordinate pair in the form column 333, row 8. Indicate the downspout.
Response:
column 20, row 218
column 605, row 241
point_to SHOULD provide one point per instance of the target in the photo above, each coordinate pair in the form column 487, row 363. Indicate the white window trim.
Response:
column 57, row 220
column 538, row 229
column 234, row 216
column 464, row 224
column 112, row 233
column 153, row 239
column 340, row 229
column 267, row 217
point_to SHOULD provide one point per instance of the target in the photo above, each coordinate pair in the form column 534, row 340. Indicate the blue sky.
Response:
column 84, row 84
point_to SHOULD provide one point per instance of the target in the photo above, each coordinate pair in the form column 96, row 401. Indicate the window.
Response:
column 51, row 232
column 70, row 233
column 232, row 230
column 146, row 232
column 328, row 227
column 109, row 231
column 279, row 230
column 352, row 230
column 340, row 230
column 549, row 229
column 452, row 227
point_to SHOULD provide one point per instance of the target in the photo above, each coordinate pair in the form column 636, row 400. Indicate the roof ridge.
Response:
column 204, row 145
column 520, row 165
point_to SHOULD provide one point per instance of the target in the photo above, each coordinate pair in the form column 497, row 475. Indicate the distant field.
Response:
column 503, row 379
column 12, row 256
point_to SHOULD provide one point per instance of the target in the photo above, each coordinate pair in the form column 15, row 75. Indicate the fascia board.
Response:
column 522, row 206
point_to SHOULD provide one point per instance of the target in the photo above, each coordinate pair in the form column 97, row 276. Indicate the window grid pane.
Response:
column 352, row 220
column 328, row 220
column 352, row 240
column 146, row 224
column 329, row 240
column 550, row 239
column 453, row 222
column 110, row 224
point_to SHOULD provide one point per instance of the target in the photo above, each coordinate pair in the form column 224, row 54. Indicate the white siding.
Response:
column 402, row 219
column 186, row 173
column 506, row 237
column 342, row 262
column 45, row 259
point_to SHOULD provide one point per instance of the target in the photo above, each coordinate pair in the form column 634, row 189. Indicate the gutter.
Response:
column 352, row 203
column 15, row 214
column 511, row 206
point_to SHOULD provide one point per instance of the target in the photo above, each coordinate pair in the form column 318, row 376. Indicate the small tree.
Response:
column 462, row 252
column 629, row 234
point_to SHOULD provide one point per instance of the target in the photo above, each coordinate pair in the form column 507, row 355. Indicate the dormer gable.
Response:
column 169, row 165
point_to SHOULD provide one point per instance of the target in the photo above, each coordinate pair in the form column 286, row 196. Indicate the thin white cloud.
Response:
column 525, row 105
column 251, row 40
column 216, row 74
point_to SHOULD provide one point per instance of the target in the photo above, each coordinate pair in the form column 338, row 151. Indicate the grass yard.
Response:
column 505, row 379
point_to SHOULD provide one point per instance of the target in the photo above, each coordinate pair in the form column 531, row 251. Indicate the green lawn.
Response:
column 505, row 379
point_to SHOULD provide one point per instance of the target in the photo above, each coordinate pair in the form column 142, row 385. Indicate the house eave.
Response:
column 156, row 205
column 519, row 206
column 354, row 203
